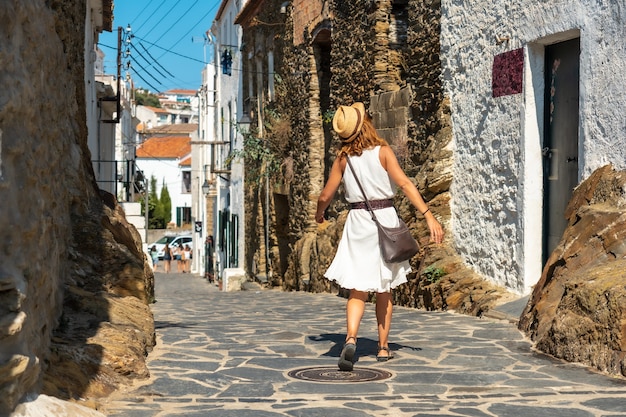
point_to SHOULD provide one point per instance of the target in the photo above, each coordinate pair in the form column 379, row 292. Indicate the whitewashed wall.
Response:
column 201, row 163
column 497, row 189
column 228, row 113
column 170, row 171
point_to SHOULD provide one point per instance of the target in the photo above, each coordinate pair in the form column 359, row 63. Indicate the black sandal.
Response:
column 347, row 355
column 383, row 358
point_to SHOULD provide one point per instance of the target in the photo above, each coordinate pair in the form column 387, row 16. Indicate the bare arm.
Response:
column 334, row 180
column 390, row 163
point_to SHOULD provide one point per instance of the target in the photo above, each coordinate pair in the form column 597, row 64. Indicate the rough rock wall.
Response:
column 577, row 310
column 106, row 328
column 352, row 54
column 36, row 150
column 349, row 83
column 402, row 89
column 423, row 73
column 272, row 29
column 52, row 214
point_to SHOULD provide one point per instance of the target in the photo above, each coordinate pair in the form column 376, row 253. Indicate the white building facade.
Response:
column 165, row 159
column 109, row 108
column 203, row 189
column 537, row 93
column 151, row 117
column 182, row 104
column 228, row 174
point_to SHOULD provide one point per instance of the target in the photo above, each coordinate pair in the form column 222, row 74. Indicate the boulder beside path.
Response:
column 577, row 311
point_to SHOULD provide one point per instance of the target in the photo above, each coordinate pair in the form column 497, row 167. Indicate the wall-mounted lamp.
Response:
column 245, row 122
column 206, row 187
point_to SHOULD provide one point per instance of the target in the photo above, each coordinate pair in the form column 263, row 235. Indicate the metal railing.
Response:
column 120, row 178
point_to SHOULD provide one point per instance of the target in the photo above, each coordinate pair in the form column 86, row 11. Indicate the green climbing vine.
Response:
column 264, row 157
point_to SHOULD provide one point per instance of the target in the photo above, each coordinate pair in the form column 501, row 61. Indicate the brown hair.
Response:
column 366, row 138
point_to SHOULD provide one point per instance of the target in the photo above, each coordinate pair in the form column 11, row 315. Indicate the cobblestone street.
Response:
column 230, row 354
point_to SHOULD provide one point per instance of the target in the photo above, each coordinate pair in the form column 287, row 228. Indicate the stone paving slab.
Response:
column 228, row 354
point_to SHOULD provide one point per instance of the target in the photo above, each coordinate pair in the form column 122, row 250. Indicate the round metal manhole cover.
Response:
column 332, row 374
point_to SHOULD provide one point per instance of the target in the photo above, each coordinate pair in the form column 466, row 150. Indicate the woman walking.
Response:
column 186, row 257
column 358, row 264
column 167, row 258
column 154, row 254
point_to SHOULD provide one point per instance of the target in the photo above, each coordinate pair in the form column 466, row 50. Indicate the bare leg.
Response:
column 355, row 308
column 384, row 310
column 354, row 313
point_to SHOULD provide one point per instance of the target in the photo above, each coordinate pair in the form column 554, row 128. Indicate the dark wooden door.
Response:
column 561, row 137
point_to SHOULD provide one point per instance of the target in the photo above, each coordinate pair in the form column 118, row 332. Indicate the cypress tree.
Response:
column 154, row 207
column 166, row 205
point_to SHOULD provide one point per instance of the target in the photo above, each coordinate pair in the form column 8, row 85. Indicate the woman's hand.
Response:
column 334, row 179
column 436, row 231
column 389, row 161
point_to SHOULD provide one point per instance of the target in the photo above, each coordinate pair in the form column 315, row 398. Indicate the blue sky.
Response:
column 168, row 48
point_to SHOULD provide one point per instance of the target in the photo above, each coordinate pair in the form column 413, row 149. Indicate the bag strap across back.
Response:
column 367, row 202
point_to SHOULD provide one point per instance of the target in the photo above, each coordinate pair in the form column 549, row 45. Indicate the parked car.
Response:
column 172, row 241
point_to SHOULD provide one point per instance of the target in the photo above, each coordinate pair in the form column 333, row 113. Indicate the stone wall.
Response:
column 272, row 29
column 391, row 112
column 35, row 254
column 306, row 15
column 68, row 257
column 399, row 82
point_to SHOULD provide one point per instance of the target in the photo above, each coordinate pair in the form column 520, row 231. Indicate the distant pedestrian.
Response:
column 358, row 264
column 209, row 247
column 167, row 258
column 186, row 258
column 178, row 251
column 154, row 254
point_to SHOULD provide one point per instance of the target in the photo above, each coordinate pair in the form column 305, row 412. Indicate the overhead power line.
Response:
column 155, row 60
column 196, row 24
column 176, row 22
column 107, row 46
column 152, row 14
column 156, row 90
column 165, row 25
column 146, row 71
column 166, row 15
column 146, row 60
column 170, row 51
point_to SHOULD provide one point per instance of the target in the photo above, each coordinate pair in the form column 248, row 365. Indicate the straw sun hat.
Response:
column 348, row 121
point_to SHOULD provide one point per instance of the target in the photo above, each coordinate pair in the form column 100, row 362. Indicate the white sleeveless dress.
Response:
column 358, row 263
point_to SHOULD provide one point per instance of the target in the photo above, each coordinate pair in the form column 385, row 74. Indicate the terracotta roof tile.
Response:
column 175, row 129
column 156, row 109
column 186, row 162
column 165, row 147
column 180, row 92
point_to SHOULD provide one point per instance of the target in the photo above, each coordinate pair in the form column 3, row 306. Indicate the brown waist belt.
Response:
column 375, row 204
